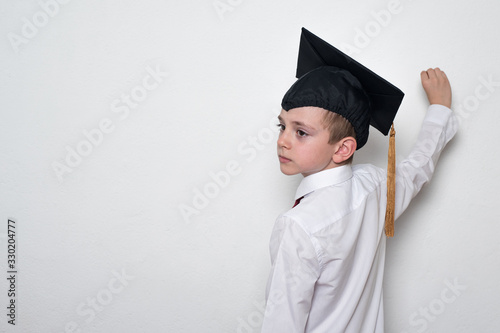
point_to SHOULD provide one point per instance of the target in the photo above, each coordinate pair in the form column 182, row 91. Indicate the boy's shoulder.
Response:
column 369, row 172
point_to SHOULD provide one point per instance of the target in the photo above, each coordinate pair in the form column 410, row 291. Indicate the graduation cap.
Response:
column 332, row 80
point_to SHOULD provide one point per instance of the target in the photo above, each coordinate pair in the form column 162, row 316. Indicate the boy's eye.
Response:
column 301, row 133
column 281, row 127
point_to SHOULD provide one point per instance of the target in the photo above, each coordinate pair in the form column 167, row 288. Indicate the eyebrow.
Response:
column 298, row 123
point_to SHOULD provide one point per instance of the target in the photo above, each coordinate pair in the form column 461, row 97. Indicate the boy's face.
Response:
column 303, row 142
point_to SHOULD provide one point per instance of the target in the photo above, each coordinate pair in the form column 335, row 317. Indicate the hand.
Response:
column 436, row 86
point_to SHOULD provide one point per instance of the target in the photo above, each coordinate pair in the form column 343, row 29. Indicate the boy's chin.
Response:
column 288, row 172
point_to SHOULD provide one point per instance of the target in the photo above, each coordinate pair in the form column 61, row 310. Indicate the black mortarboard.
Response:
column 332, row 80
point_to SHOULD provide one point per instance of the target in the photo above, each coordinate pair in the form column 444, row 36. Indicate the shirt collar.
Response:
column 322, row 179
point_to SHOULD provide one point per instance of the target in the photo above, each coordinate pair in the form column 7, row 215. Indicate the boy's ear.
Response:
column 345, row 148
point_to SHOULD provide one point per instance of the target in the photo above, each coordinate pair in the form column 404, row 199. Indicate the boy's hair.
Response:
column 339, row 128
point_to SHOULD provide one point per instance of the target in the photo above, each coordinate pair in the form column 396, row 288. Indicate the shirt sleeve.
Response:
column 438, row 128
column 295, row 270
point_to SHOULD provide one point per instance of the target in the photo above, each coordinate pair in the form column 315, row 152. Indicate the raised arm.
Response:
column 438, row 128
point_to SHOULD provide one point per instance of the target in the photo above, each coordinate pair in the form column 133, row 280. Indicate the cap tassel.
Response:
column 391, row 185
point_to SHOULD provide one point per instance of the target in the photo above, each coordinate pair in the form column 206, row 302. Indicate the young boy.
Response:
column 328, row 251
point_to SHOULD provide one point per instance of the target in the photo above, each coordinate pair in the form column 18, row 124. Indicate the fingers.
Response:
column 433, row 73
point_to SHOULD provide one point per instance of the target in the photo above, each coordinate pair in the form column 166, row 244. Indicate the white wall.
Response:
column 117, row 210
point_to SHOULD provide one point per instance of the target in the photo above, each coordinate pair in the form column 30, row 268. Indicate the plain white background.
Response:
column 137, row 157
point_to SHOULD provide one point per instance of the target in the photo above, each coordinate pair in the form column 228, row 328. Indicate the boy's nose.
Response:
column 283, row 140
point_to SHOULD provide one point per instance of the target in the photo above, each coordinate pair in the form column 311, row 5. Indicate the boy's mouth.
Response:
column 283, row 159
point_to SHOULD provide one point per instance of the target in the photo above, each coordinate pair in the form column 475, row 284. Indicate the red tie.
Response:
column 297, row 201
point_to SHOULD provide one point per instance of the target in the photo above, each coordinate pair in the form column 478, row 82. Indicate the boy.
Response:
column 328, row 251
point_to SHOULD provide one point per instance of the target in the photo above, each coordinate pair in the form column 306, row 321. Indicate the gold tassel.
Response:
column 391, row 185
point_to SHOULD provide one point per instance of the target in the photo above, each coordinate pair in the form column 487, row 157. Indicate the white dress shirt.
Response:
column 328, row 252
